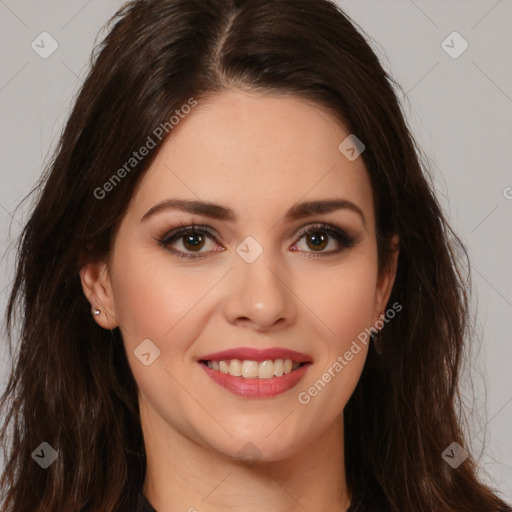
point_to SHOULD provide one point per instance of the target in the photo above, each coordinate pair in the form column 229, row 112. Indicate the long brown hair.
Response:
column 71, row 385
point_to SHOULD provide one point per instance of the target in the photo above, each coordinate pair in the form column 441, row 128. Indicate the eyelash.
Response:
column 339, row 235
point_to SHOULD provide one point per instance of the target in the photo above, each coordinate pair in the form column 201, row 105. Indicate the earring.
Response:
column 96, row 312
column 377, row 338
column 377, row 342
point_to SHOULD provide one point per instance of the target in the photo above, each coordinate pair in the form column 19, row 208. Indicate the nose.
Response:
column 259, row 296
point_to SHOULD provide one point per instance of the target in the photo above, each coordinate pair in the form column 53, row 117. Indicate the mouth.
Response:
column 255, row 373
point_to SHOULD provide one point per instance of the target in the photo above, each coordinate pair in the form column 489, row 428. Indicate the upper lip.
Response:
column 257, row 354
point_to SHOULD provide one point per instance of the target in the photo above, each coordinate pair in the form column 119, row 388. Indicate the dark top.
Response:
column 145, row 506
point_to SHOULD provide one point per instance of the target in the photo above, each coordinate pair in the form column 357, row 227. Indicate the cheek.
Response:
column 152, row 297
column 342, row 309
column 340, row 300
column 159, row 301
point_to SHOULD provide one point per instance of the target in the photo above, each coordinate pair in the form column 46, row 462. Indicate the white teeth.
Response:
column 254, row 369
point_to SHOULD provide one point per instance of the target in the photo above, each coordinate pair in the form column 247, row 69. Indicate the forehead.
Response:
column 256, row 153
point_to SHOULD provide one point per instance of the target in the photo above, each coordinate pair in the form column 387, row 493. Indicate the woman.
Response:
column 236, row 287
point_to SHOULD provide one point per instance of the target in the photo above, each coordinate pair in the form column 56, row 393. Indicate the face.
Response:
column 267, row 280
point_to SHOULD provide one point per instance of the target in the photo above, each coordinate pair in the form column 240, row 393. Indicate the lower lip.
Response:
column 257, row 388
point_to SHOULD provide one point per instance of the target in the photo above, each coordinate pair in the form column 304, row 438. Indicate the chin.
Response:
column 258, row 449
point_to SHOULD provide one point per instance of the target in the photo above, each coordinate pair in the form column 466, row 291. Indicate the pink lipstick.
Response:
column 256, row 373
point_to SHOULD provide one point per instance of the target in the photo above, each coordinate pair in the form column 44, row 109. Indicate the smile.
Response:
column 255, row 373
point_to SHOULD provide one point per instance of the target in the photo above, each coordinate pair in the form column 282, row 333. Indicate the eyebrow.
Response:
column 217, row 211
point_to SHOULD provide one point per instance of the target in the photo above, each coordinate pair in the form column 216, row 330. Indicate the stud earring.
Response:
column 96, row 312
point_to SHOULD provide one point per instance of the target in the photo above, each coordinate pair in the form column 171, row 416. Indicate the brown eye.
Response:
column 188, row 241
column 317, row 240
column 319, row 236
column 193, row 241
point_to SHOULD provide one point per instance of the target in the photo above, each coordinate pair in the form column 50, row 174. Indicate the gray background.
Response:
column 459, row 110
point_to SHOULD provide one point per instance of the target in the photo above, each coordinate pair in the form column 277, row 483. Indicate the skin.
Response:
column 259, row 155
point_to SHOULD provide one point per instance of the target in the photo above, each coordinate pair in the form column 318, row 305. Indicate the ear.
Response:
column 386, row 280
column 97, row 287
